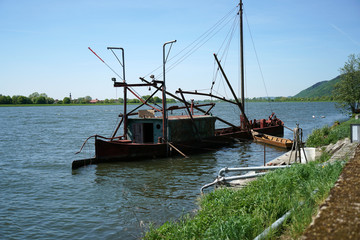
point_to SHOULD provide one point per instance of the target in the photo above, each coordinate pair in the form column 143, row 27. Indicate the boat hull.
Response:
column 114, row 151
column 123, row 151
column 274, row 141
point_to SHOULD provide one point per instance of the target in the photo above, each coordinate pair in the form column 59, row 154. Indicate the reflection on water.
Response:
column 42, row 197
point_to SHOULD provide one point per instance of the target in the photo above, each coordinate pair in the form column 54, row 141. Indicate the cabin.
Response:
column 180, row 128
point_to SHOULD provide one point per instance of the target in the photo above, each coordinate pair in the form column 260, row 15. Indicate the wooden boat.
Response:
column 151, row 136
column 272, row 140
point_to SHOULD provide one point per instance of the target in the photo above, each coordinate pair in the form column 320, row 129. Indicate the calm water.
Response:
column 42, row 198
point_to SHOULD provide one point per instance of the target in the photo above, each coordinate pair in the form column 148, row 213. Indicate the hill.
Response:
column 320, row 89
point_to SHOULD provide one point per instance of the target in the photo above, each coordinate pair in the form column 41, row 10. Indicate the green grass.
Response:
column 243, row 214
column 327, row 135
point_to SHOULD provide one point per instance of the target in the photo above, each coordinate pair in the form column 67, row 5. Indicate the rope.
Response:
column 84, row 144
column 196, row 44
column 224, row 48
column 105, row 63
column 258, row 62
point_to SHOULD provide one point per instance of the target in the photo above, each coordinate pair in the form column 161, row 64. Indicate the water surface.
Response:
column 42, row 198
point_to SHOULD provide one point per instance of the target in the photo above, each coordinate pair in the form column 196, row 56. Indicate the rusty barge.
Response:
column 152, row 133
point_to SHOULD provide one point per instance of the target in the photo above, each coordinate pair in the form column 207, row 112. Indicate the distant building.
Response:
column 95, row 101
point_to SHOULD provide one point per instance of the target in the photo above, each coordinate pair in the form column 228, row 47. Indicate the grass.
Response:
column 327, row 135
column 243, row 214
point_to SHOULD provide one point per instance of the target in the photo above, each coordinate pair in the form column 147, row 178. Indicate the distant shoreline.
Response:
column 121, row 104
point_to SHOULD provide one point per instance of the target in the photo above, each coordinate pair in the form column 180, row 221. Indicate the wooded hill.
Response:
column 320, row 89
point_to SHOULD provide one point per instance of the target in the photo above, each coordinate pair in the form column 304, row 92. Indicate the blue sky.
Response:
column 44, row 44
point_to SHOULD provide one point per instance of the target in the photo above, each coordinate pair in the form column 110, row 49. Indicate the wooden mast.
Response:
column 242, row 61
column 244, row 118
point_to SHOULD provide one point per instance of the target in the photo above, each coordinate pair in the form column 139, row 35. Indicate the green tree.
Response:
column 21, row 100
column 151, row 100
column 40, row 100
column 34, row 96
column 66, row 100
column 5, row 99
column 347, row 90
column 50, row 100
column 83, row 100
column 170, row 100
column 87, row 99
column 157, row 99
column 133, row 100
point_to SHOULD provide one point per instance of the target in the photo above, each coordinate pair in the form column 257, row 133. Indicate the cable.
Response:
column 105, row 63
column 258, row 62
column 195, row 45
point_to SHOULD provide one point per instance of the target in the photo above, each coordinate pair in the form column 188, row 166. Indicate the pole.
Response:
column 125, row 116
column 264, row 154
column 242, row 56
column 165, row 123
column 234, row 94
column 125, row 96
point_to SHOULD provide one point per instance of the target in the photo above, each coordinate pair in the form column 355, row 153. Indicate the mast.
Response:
column 125, row 96
column 242, row 57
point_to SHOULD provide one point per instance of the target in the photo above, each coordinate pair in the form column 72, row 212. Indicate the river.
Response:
column 42, row 198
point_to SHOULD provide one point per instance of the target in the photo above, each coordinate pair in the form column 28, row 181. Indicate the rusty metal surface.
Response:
column 182, row 128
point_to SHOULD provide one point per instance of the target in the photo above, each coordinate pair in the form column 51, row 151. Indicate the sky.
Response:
column 44, row 44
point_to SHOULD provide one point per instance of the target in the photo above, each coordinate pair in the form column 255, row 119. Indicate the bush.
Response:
column 327, row 135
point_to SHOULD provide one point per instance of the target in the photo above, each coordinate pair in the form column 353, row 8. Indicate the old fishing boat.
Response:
column 272, row 140
column 152, row 133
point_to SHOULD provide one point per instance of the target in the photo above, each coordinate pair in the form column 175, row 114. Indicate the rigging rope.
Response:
column 105, row 63
column 258, row 62
column 224, row 48
column 196, row 44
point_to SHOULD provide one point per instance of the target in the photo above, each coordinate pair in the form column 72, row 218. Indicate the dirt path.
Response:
column 339, row 216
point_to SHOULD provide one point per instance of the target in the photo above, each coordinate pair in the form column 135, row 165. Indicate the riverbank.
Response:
column 245, row 213
column 338, row 216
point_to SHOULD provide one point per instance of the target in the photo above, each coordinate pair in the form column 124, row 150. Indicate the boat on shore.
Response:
column 152, row 133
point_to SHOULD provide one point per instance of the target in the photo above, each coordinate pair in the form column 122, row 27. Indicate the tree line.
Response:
column 42, row 98
column 34, row 98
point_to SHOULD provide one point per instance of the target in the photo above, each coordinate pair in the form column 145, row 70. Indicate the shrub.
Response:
column 327, row 135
